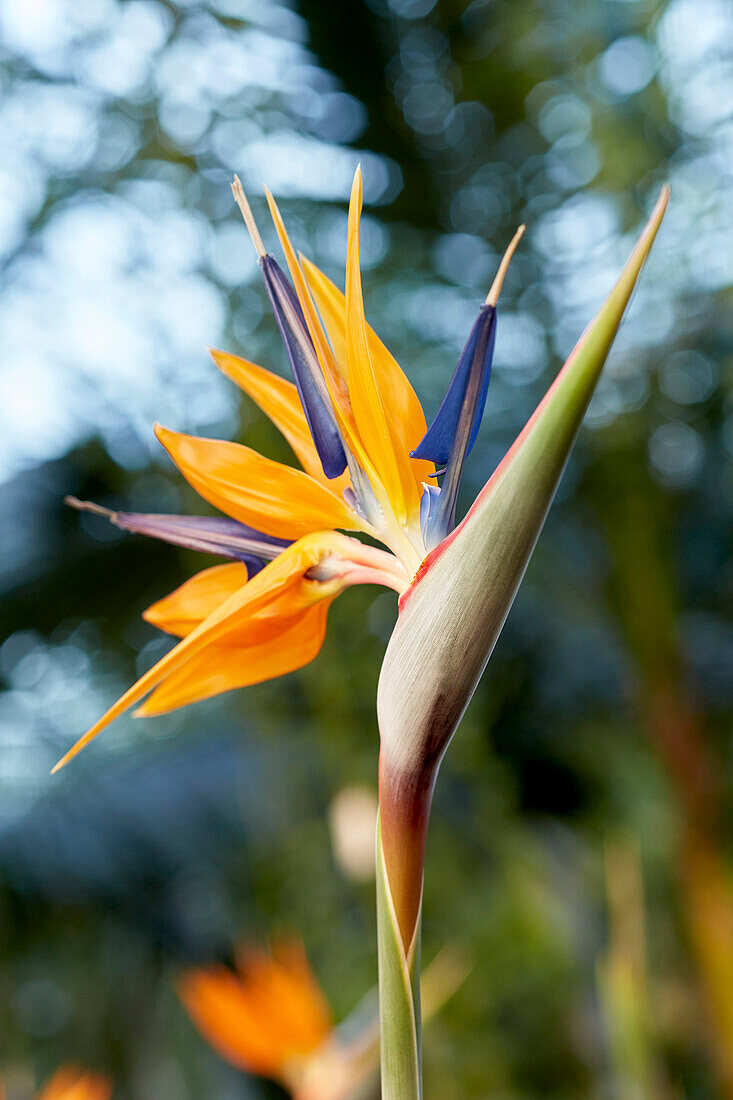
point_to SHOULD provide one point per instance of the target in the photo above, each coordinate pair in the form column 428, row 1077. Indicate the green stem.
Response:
column 404, row 811
column 399, row 995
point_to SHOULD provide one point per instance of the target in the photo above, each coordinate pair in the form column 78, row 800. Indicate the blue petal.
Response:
column 212, row 534
column 466, row 394
column 428, row 508
column 254, row 565
column 306, row 368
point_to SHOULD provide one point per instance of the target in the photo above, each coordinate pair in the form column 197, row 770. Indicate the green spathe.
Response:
column 453, row 613
column 449, row 621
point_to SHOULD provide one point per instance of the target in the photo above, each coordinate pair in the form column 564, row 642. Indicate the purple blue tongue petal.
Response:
column 306, row 368
column 466, row 395
column 428, row 505
column 218, row 535
column 451, row 436
column 312, row 388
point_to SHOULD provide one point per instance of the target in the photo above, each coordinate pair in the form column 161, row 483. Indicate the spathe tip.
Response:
column 493, row 296
column 241, row 200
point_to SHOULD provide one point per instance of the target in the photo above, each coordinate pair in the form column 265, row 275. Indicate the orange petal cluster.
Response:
column 268, row 495
column 237, row 630
column 267, row 1017
column 69, row 1083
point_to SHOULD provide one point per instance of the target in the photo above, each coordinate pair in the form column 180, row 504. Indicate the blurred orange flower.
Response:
column 268, row 1017
column 71, row 1083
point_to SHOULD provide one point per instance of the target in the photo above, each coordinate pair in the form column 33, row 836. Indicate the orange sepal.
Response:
column 264, row 1018
column 186, row 608
column 402, row 405
column 279, row 400
column 267, row 495
column 391, row 461
column 286, row 571
column 293, row 642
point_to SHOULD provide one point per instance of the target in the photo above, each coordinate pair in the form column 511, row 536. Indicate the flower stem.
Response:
column 404, row 808
column 399, row 996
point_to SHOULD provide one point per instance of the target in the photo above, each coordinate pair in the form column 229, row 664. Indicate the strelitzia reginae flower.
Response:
column 269, row 1017
column 370, row 466
column 69, row 1083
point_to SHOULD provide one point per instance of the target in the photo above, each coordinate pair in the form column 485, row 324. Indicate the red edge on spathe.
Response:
column 427, row 563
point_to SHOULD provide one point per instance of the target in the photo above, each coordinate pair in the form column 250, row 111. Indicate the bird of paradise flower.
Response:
column 269, row 1017
column 70, row 1083
column 369, row 466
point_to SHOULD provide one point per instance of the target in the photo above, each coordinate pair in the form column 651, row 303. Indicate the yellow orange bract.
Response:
column 264, row 494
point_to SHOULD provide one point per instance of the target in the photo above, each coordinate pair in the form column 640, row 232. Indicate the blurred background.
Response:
column 580, row 843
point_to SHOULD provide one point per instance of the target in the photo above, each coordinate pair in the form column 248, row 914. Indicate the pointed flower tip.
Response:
column 89, row 506
column 222, row 361
column 217, row 355
column 651, row 228
column 241, row 200
column 357, row 189
column 660, row 206
column 75, row 749
column 165, row 436
column 493, row 296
